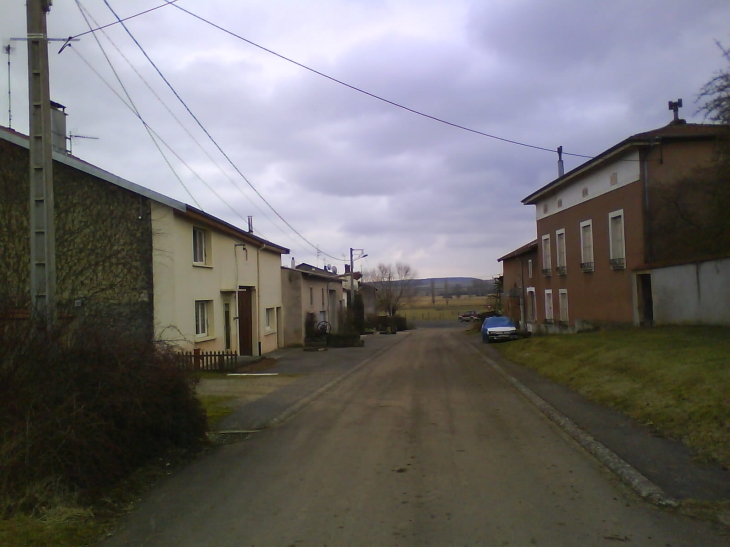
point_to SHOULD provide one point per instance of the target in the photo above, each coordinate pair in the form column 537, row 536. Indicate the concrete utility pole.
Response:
column 42, row 230
column 352, row 273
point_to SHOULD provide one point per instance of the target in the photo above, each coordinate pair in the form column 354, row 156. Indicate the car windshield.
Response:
column 499, row 322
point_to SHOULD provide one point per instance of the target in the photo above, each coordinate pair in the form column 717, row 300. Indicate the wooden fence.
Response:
column 212, row 361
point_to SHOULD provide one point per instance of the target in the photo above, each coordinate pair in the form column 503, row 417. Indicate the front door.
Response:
column 245, row 321
column 646, row 302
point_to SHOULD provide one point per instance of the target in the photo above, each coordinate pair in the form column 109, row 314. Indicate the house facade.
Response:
column 519, row 272
column 307, row 290
column 136, row 263
column 599, row 241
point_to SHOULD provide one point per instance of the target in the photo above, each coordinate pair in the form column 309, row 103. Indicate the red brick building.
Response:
column 598, row 238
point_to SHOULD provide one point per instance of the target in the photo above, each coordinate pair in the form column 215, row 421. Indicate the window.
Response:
column 270, row 319
column 586, row 246
column 616, row 240
column 560, row 244
column 323, row 298
column 546, row 260
column 198, row 246
column 311, row 296
column 529, row 268
column 531, row 311
column 549, row 306
column 202, row 313
column 563, row 303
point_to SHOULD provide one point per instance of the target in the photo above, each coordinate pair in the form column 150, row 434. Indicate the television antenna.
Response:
column 71, row 138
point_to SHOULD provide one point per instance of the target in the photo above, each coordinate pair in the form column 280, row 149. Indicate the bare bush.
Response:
column 81, row 410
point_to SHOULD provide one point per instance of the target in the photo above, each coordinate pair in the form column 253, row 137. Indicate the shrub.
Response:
column 80, row 410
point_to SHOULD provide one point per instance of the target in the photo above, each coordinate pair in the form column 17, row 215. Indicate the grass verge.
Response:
column 674, row 379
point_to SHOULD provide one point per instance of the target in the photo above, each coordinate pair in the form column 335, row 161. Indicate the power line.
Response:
column 134, row 108
column 149, row 87
column 373, row 95
column 179, row 98
column 167, row 3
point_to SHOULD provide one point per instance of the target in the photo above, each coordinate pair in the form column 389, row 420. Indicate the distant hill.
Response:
column 452, row 286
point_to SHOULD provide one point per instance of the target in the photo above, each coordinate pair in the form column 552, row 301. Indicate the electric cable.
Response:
column 373, row 95
column 183, row 127
column 202, row 127
column 134, row 108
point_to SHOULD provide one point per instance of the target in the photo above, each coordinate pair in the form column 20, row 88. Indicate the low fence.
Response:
column 211, row 361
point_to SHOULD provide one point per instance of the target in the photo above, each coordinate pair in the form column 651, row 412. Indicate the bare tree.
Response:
column 394, row 284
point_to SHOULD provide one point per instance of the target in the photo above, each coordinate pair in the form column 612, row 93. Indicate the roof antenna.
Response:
column 561, row 167
column 8, row 49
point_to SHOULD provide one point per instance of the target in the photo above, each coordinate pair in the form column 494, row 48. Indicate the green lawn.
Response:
column 674, row 379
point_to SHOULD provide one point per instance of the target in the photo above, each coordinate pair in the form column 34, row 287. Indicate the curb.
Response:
column 296, row 407
column 642, row 486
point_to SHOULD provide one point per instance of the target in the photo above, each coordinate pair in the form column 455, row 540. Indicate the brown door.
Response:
column 245, row 321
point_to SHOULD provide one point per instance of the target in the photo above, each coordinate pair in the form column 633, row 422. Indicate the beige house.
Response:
column 216, row 285
column 310, row 290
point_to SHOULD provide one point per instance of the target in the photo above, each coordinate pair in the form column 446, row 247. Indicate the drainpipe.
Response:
column 522, row 296
column 258, row 295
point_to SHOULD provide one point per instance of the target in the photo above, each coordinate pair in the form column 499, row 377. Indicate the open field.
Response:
column 421, row 308
column 674, row 379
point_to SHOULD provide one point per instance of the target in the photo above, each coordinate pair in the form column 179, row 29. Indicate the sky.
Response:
column 342, row 168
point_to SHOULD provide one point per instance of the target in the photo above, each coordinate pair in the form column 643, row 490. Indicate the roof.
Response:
column 181, row 208
column 314, row 272
column 525, row 249
column 669, row 133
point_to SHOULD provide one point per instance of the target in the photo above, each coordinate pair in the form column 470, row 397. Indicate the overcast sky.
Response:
column 345, row 169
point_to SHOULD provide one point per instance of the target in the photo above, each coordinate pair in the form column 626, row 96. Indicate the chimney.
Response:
column 293, row 263
column 561, row 167
column 58, row 128
column 250, row 224
column 347, row 268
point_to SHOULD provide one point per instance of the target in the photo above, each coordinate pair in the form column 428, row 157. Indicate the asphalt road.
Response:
column 425, row 445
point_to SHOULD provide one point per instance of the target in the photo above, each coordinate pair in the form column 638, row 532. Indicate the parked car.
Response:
column 470, row 315
column 498, row 328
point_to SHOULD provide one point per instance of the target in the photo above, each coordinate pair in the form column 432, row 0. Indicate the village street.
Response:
column 425, row 444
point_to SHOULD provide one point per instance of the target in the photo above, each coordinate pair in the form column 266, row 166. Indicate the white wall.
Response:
column 692, row 293
column 598, row 183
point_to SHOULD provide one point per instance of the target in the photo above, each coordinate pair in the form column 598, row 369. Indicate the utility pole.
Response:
column 8, row 49
column 352, row 273
column 42, row 229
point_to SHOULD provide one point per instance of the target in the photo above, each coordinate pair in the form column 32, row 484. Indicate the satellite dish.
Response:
column 334, row 270
column 328, row 267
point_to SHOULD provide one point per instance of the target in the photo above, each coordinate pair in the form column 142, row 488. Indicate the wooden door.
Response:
column 245, row 321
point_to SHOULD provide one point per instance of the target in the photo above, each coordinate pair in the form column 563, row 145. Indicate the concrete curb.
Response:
column 296, row 407
column 628, row 474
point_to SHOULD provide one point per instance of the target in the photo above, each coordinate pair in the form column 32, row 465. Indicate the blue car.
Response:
column 498, row 328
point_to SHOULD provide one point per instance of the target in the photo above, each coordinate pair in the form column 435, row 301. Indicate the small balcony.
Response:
column 618, row 263
column 547, row 272
column 586, row 266
column 562, row 270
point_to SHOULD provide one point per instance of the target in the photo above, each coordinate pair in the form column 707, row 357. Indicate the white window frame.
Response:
column 617, row 253
column 586, row 258
column 200, row 254
column 203, row 313
column 549, row 315
column 563, row 305
column 561, row 252
column 270, row 319
column 546, row 256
